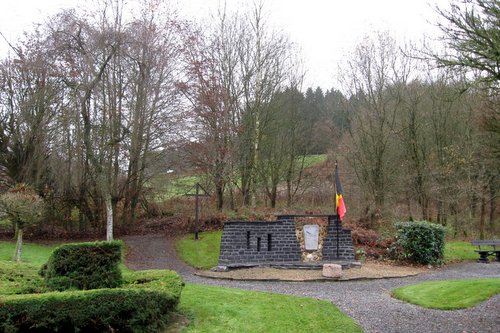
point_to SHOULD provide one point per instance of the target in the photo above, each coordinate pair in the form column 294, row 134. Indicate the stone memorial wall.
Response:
column 289, row 239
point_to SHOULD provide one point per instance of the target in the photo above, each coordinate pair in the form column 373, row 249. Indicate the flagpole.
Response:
column 335, row 184
column 337, row 220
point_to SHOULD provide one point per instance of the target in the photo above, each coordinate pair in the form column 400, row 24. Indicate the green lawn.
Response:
column 448, row 294
column 459, row 251
column 32, row 253
column 203, row 253
column 216, row 309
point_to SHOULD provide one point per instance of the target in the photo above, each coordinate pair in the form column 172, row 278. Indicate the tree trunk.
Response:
column 19, row 244
column 493, row 205
column 274, row 193
column 133, row 208
column 424, row 204
column 220, row 196
column 232, row 204
column 109, row 216
column 288, row 193
column 482, row 216
column 245, row 191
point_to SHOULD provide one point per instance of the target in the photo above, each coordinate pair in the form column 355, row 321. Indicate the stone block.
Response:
column 220, row 268
column 356, row 264
column 332, row 271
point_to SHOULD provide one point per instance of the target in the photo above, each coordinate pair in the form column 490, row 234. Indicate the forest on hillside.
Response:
column 101, row 111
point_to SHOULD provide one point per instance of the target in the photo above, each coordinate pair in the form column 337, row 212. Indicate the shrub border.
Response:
column 143, row 305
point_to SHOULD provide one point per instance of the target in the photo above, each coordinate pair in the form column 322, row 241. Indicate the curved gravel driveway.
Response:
column 368, row 302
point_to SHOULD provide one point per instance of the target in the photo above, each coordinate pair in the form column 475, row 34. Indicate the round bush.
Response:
column 421, row 242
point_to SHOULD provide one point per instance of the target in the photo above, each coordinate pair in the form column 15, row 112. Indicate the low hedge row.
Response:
column 142, row 305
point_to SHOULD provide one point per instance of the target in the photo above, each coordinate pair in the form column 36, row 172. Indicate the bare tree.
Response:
column 416, row 140
column 234, row 72
column 470, row 31
column 119, row 76
column 284, row 146
column 267, row 65
column 153, row 50
column 29, row 100
column 85, row 51
column 212, row 87
column 373, row 77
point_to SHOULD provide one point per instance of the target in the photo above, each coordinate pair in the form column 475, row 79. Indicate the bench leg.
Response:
column 483, row 257
column 497, row 255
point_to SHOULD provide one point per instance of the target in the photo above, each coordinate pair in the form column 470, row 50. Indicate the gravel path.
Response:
column 367, row 302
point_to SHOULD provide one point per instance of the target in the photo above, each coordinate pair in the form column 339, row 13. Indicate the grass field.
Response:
column 449, row 294
column 174, row 186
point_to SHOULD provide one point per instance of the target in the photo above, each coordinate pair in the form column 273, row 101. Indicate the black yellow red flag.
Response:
column 339, row 195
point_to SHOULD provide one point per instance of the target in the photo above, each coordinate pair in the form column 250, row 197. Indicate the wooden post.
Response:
column 197, row 206
column 196, row 215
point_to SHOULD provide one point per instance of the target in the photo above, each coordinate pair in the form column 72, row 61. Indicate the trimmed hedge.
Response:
column 18, row 278
column 84, row 266
column 142, row 305
column 421, row 242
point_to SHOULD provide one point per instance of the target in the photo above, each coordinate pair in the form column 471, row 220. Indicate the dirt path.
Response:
column 154, row 252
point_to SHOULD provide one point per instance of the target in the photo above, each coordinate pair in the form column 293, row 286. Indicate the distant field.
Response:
column 170, row 186
column 311, row 160
column 180, row 186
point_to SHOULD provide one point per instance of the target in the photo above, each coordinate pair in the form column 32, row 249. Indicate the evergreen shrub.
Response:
column 421, row 242
column 142, row 305
column 84, row 266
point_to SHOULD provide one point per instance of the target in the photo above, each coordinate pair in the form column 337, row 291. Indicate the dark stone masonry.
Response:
column 246, row 243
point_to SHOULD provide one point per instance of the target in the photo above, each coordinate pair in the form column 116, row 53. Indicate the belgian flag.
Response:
column 339, row 195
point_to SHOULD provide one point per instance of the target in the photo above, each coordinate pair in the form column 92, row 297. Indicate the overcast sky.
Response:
column 325, row 30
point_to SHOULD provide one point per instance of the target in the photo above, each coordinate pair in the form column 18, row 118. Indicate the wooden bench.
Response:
column 483, row 254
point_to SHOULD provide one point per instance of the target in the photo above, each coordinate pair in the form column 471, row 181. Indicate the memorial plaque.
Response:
column 311, row 236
